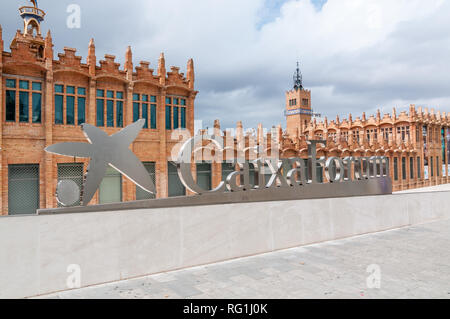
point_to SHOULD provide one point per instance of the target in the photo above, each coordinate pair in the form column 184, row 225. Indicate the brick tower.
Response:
column 298, row 106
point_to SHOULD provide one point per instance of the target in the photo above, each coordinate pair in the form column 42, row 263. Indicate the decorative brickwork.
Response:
column 416, row 142
column 44, row 101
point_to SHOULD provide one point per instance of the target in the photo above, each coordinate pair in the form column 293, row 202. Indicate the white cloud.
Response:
column 356, row 55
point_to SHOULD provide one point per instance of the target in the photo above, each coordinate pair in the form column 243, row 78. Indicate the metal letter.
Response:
column 244, row 173
column 338, row 175
column 300, row 169
column 276, row 174
column 312, row 155
column 185, row 161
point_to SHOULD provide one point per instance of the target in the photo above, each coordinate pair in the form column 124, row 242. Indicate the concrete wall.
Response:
column 35, row 251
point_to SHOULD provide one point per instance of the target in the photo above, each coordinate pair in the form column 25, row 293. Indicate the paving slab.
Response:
column 411, row 263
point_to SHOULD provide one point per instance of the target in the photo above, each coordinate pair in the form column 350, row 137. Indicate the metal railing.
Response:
column 32, row 10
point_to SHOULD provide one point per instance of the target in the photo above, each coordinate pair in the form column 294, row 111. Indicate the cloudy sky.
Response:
column 356, row 55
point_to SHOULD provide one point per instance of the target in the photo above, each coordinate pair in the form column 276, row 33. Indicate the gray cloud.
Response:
column 356, row 56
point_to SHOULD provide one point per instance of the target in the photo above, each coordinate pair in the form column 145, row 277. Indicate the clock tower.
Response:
column 298, row 106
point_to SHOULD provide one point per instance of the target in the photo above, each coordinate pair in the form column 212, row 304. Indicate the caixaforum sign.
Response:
column 275, row 179
column 295, row 173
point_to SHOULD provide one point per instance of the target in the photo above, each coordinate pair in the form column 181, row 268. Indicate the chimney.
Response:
column 217, row 128
column 91, row 59
column 129, row 63
column 191, row 73
column 162, row 69
column 48, row 48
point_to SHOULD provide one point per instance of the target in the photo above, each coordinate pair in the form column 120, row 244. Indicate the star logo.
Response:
column 104, row 150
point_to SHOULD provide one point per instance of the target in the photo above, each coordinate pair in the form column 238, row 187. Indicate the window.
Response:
column 70, row 105
column 81, row 91
column 140, row 193
column 23, row 189
column 396, row 168
column 419, row 169
column 59, row 88
column 153, row 116
column 37, row 107
column 111, row 187
column 176, row 188
column 36, row 86
column 110, row 108
column 183, row 117
column 372, row 135
column 404, row 168
column 110, row 113
column 175, row 118
column 403, row 132
column 10, row 106
column 344, row 135
column 386, row 132
column 73, row 172
column 432, row 166
column 204, row 176
column 145, row 114
column 24, row 85
column 70, row 110
column 81, row 110
column 59, row 109
column 178, row 110
column 356, row 135
column 305, row 102
column 11, row 83
column 100, row 112
column 23, row 106
column 74, row 100
column 119, row 112
column 227, row 169
column 168, row 118
column 411, row 167
column 29, row 97
column 293, row 102
column 332, row 136
column 135, row 112
column 70, row 90
column 143, row 110
column 438, row 168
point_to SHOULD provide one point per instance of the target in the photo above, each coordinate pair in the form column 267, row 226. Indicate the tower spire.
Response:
column 32, row 18
column 190, row 73
column 298, row 78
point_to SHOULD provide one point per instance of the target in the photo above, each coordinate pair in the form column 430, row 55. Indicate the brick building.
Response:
column 45, row 100
column 417, row 142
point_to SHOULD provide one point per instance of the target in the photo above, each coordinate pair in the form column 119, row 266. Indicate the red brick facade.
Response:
column 415, row 142
column 24, row 134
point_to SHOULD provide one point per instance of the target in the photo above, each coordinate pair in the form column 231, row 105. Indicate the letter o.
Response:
column 334, row 177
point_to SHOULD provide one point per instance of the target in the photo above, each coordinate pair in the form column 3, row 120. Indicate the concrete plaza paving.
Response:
column 410, row 262
column 437, row 188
